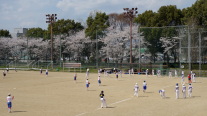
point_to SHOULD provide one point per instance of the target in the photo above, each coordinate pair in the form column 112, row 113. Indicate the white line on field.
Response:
column 108, row 105
column 81, row 114
column 121, row 101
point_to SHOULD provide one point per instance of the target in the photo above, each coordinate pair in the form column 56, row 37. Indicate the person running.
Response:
column 177, row 91
column 87, row 84
column 190, row 89
column 144, row 86
column 99, row 80
column 9, row 102
column 103, row 100
column 184, row 91
column 162, row 93
column 136, row 88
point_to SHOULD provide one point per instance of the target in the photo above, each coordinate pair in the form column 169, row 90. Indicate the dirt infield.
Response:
column 59, row 95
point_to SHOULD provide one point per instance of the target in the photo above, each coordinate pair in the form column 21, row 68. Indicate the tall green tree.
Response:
column 147, row 19
column 96, row 25
column 5, row 33
column 66, row 27
column 196, row 14
column 169, row 16
column 35, row 33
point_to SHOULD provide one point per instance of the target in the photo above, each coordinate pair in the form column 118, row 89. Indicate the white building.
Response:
column 19, row 32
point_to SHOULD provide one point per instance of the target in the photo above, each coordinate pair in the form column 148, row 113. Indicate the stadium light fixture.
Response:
column 130, row 14
column 51, row 18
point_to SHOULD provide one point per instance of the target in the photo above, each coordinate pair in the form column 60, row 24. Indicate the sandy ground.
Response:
column 59, row 95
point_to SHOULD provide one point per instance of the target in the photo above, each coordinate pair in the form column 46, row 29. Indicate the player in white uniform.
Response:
column 162, row 93
column 87, row 84
column 132, row 71
column 99, row 80
column 153, row 72
column 87, row 73
column 144, row 86
column 193, row 78
column 158, row 73
column 136, row 88
column 46, row 72
column 177, row 91
column 190, row 89
column 129, row 72
column 182, row 77
column 170, row 74
column 9, row 102
column 99, row 72
column 176, row 74
column 184, row 91
column 146, row 72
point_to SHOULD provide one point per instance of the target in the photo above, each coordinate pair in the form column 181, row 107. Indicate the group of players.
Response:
column 136, row 87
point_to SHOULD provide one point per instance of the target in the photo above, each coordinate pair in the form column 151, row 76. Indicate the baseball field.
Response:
column 59, row 95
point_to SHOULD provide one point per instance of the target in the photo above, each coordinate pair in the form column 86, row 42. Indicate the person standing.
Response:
column 4, row 73
column 103, row 100
column 9, row 102
column 41, row 71
column 144, row 86
column 177, row 91
column 117, row 75
column 193, row 78
column 87, row 73
column 7, row 69
column 189, row 78
column 87, row 84
column 99, row 80
column 136, row 88
column 75, row 77
column 153, row 72
column 182, row 77
column 176, row 74
column 146, row 72
column 46, row 72
column 184, row 91
column 190, row 89
column 170, row 74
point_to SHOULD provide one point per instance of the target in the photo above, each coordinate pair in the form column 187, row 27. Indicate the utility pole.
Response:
column 51, row 18
column 130, row 14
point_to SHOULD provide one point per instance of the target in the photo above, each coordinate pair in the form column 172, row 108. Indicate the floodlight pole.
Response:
column 130, row 13
column 51, row 18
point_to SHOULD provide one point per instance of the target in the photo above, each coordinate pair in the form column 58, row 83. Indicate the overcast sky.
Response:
column 31, row 13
